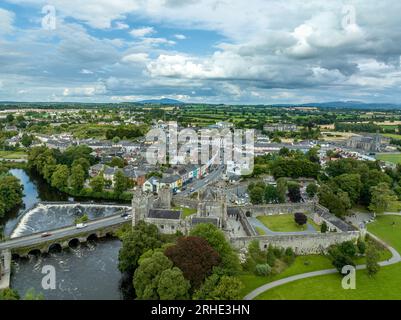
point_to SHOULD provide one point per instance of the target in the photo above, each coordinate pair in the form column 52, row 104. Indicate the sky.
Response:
column 206, row 51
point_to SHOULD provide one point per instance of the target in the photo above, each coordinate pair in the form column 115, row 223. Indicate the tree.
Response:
column 120, row 182
column 372, row 258
column 294, row 192
column 195, row 257
column 271, row 195
column 97, row 183
column 256, row 194
column 351, row 184
column 311, row 189
column 31, row 294
column 282, row 189
column 137, row 241
column 77, row 178
column 323, row 227
column 339, row 257
column 85, row 164
column 300, row 218
column 338, row 203
column 26, row 140
column 172, row 285
column 147, row 275
column 382, row 197
column 11, row 193
column 218, row 287
column 215, row 237
column 229, row 288
column 116, row 162
column 9, row 294
column 60, row 177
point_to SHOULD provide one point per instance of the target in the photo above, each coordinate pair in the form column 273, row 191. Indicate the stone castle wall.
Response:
column 284, row 208
column 301, row 244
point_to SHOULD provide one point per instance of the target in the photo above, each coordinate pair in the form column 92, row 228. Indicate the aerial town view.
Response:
column 200, row 150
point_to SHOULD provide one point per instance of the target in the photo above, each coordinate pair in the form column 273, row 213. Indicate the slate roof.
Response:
column 164, row 214
column 197, row 220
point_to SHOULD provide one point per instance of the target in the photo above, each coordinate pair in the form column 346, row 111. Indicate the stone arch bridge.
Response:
column 63, row 237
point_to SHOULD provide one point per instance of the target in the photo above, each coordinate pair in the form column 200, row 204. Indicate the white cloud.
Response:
column 180, row 36
column 142, row 32
column 86, row 71
column 135, row 58
column 121, row 25
column 6, row 21
column 84, row 91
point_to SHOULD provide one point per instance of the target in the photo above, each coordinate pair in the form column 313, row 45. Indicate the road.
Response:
column 200, row 183
column 37, row 238
column 396, row 258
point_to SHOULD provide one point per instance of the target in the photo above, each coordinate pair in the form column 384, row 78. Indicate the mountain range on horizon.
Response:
column 168, row 101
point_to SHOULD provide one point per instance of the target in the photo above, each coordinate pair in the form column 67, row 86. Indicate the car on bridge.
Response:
column 45, row 234
column 81, row 225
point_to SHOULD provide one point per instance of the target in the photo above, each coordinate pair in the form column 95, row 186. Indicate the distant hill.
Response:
column 345, row 105
column 160, row 101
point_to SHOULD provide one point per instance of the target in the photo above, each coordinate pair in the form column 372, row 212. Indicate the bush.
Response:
column 300, row 218
column 323, row 227
column 348, row 248
column 361, row 246
column 289, row 256
column 271, row 257
column 263, row 269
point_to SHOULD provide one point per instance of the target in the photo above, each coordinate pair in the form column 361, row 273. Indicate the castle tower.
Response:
column 141, row 203
column 165, row 197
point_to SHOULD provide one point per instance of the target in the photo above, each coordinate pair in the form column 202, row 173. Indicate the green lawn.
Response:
column 385, row 285
column 393, row 158
column 301, row 264
column 13, row 155
column 186, row 212
column 283, row 223
column 260, row 231
column 392, row 135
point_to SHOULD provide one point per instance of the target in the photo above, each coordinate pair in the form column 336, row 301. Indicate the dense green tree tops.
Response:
column 97, row 183
column 60, row 177
column 382, row 196
column 195, row 257
column 156, row 279
column 9, row 294
column 229, row 260
column 11, row 193
column 137, row 241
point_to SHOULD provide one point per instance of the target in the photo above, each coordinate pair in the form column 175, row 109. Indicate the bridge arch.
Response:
column 73, row 243
column 55, row 247
column 35, row 252
column 92, row 237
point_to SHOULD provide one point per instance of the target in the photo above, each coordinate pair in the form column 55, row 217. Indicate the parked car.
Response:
column 45, row 234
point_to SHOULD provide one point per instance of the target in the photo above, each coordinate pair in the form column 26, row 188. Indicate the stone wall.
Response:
column 283, row 208
column 301, row 244
column 169, row 226
column 185, row 202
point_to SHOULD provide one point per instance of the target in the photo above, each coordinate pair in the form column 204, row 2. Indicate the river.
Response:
column 86, row 272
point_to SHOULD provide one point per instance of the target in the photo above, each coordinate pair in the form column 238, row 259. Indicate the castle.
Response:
column 238, row 222
column 211, row 208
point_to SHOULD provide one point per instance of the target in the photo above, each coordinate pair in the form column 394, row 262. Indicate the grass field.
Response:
column 186, row 212
column 282, row 223
column 392, row 157
column 301, row 264
column 392, row 135
column 260, row 231
column 13, row 155
column 385, row 285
